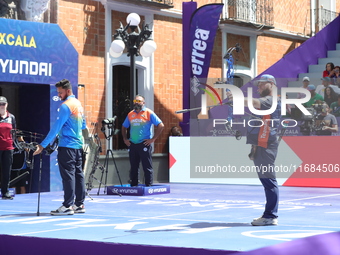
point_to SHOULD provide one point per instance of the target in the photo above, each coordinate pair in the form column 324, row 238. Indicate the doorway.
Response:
column 121, row 101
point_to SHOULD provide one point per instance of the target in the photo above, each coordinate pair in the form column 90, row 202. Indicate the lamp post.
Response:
column 136, row 44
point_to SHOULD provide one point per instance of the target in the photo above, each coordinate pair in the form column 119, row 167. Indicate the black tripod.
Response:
column 108, row 125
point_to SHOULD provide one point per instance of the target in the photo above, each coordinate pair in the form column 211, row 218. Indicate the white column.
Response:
column 108, row 64
column 253, row 55
column 224, row 50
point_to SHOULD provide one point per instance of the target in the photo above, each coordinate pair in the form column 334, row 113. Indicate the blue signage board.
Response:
column 35, row 54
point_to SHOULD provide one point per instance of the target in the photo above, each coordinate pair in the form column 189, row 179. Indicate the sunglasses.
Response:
column 2, row 104
column 138, row 101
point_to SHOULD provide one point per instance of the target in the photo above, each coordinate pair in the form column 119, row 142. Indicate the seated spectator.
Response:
column 326, row 122
column 330, row 96
column 305, row 83
column 326, row 82
column 336, row 76
column 335, row 107
column 313, row 96
column 329, row 69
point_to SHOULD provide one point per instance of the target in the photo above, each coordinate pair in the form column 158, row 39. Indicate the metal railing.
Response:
column 250, row 11
column 323, row 17
column 164, row 3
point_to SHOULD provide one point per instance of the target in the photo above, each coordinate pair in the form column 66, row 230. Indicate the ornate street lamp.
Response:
column 137, row 43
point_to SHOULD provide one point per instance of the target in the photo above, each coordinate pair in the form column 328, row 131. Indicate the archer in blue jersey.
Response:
column 69, row 125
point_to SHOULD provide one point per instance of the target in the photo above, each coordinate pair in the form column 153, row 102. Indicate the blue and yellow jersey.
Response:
column 141, row 124
column 68, row 126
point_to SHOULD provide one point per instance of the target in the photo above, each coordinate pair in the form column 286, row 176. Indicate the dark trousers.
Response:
column 266, row 157
column 6, row 160
column 70, row 167
column 140, row 153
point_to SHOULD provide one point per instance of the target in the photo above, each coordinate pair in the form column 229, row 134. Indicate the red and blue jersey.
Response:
column 7, row 123
column 140, row 124
column 264, row 131
column 69, row 125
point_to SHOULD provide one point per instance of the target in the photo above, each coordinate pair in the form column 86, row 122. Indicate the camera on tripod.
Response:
column 108, row 131
column 108, row 127
column 109, row 122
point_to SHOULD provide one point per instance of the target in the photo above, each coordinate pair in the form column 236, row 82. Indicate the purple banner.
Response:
column 188, row 9
column 203, row 27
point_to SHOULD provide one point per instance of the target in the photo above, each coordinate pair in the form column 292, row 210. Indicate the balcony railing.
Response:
column 250, row 11
column 159, row 3
column 323, row 17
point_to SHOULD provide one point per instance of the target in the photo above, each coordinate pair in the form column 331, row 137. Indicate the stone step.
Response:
column 324, row 61
column 333, row 53
column 299, row 83
column 313, row 75
column 316, row 69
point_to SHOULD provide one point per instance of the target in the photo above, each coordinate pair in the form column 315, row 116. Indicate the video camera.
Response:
column 319, row 108
column 309, row 123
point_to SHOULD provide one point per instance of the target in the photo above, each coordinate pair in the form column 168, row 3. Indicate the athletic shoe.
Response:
column 7, row 197
column 264, row 221
column 78, row 209
column 62, row 210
